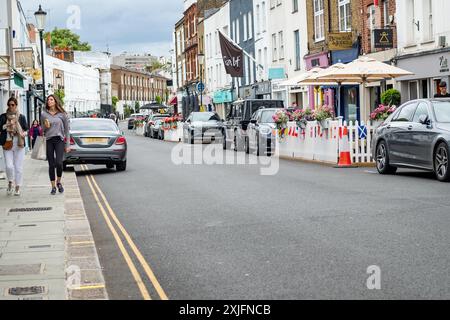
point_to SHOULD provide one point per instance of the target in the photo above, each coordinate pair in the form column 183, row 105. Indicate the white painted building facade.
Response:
column 81, row 84
column 423, row 28
column 262, row 41
column 287, row 29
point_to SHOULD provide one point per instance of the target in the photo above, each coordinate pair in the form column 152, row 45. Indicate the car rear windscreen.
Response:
column 89, row 125
column 256, row 105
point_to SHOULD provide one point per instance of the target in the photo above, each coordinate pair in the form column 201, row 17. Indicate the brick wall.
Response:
column 380, row 22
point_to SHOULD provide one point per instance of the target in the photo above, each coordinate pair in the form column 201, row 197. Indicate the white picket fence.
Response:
column 318, row 144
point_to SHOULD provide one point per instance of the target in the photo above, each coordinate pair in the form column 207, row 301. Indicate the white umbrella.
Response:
column 363, row 70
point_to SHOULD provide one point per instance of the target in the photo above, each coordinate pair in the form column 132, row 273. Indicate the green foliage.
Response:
column 61, row 95
column 64, row 38
column 137, row 106
column 391, row 97
column 127, row 111
column 158, row 99
column 114, row 101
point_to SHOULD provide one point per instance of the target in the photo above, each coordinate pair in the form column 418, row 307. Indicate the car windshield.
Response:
column 205, row 116
column 267, row 116
column 442, row 111
column 88, row 125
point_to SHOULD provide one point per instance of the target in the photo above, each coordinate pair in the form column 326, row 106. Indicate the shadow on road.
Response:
column 417, row 174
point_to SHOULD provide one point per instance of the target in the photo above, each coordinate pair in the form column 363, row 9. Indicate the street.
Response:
column 227, row 232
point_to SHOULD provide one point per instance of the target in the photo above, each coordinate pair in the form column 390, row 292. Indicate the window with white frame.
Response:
column 258, row 20
column 274, row 47
column 319, row 21
column 245, row 27
column 250, row 25
column 281, row 43
column 263, row 16
column 345, row 15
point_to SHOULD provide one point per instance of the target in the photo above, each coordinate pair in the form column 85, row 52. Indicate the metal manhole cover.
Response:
column 26, row 291
column 20, row 269
column 37, row 209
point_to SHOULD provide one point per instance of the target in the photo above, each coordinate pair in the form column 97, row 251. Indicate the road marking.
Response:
column 90, row 287
column 130, row 241
column 77, row 243
column 130, row 263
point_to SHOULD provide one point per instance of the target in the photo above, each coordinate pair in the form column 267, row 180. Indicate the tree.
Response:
column 158, row 99
column 64, row 38
column 114, row 103
column 127, row 111
column 61, row 95
column 137, row 106
column 391, row 97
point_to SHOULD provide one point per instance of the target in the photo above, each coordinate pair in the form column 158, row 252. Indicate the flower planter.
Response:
column 140, row 130
column 302, row 124
column 325, row 124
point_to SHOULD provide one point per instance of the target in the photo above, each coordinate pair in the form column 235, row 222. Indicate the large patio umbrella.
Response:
column 318, row 76
column 363, row 70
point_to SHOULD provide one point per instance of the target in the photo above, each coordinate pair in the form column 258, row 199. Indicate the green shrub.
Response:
column 391, row 97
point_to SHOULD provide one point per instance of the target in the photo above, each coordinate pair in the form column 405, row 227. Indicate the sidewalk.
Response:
column 46, row 247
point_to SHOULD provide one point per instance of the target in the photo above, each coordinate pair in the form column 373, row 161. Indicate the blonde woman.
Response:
column 14, row 127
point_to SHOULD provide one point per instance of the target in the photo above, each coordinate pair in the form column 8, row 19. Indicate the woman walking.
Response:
column 35, row 131
column 13, row 126
column 56, row 132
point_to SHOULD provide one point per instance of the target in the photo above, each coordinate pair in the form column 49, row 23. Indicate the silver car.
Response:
column 260, row 135
column 96, row 141
column 416, row 135
column 203, row 126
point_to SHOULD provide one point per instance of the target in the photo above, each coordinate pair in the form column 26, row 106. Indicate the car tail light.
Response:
column 121, row 140
column 72, row 142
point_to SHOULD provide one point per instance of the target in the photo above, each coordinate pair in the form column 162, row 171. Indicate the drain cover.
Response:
column 37, row 209
column 40, row 246
column 26, row 291
column 27, row 225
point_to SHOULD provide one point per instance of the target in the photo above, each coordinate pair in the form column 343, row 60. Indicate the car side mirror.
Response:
column 188, row 120
column 423, row 119
column 253, row 121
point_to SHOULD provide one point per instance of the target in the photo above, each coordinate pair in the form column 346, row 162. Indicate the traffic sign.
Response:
column 200, row 87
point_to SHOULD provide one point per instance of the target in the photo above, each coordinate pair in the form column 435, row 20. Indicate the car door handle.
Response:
column 410, row 127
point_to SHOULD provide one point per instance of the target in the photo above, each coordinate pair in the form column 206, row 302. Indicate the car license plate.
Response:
column 95, row 140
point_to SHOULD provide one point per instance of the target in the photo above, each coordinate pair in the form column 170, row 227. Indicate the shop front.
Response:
column 222, row 100
column 429, row 68
column 318, row 95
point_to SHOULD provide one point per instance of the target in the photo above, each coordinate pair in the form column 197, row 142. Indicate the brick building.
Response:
column 131, row 86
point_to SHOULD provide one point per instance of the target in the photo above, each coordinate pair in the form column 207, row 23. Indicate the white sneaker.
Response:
column 10, row 190
column 17, row 193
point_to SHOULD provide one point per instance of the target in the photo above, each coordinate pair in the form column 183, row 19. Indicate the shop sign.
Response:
column 383, row 38
column 443, row 64
column 340, row 40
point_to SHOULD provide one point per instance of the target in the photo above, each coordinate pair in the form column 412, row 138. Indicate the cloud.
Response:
column 133, row 25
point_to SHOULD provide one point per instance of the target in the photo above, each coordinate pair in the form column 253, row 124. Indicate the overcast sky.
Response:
column 136, row 26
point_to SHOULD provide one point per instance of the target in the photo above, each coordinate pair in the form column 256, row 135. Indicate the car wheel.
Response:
column 191, row 137
column 382, row 158
column 247, row 145
column 109, row 166
column 258, row 152
column 224, row 141
column 441, row 168
column 122, row 166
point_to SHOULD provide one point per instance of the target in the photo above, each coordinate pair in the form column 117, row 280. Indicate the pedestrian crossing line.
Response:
column 140, row 257
column 125, row 254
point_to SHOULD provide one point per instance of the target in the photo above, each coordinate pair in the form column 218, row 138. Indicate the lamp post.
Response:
column 41, row 16
column 201, row 60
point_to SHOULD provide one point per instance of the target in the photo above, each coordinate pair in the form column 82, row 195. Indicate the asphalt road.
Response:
column 308, row 232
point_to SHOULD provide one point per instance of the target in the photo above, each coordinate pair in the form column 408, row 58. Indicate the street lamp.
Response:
column 41, row 16
column 201, row 60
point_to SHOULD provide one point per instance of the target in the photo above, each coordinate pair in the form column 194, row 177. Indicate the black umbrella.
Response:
column 153, row 106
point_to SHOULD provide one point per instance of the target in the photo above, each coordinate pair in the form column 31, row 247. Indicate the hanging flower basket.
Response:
column 323, row 116
column 325, row 124
column 302, row 124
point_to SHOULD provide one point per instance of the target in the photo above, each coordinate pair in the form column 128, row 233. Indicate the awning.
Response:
column 173, row 101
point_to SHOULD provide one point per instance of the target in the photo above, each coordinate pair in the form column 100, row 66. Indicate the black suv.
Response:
column 238, row 119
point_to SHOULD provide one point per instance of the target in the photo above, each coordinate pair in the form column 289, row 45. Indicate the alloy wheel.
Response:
column 381, row 156
column 441, row 161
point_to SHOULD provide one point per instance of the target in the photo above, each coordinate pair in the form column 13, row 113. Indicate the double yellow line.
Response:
column 108, row 214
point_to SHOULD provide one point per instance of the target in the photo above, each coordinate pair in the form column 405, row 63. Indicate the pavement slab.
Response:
column 40, row 234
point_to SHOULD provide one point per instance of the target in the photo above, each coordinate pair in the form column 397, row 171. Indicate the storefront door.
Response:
column 350, row 103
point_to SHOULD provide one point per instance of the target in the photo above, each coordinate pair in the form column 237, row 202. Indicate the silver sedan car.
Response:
column 416, row 135
column 96, row 141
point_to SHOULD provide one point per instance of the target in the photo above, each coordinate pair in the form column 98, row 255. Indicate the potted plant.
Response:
column 380, row 114
column 281, row 118
column 323, row 115
column 302, row 116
